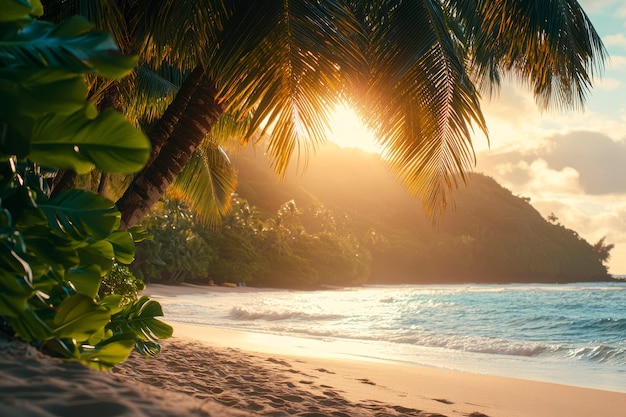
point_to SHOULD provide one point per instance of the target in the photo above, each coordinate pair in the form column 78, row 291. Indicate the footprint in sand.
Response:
column 292, row 398
column 443, row 401
column 366, row 381
column 279, row 362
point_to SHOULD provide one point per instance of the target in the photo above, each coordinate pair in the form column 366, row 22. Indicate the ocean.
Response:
column 571, row 334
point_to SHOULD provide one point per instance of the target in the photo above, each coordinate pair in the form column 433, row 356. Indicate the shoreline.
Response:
column 209, row 372
column 446, row 392
column 439, row 391
column 538, row 368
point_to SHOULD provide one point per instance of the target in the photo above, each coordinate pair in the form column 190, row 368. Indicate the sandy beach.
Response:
column 215, row 372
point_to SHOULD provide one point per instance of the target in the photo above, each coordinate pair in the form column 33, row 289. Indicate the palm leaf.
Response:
column 181, row 33
column 107, row 16
column 232, row 130
column 300, row 52
column 420, row 100
column 207, row 183
column 549, row 43
column 147, row 97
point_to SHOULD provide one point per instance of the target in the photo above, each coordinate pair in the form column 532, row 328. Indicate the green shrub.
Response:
column 175, row 253
column 54, row 252
column 121, row 280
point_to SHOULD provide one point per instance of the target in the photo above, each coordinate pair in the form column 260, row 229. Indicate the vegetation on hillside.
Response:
column 358, row 225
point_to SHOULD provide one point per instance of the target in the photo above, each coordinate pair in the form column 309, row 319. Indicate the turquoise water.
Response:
column 573, row 334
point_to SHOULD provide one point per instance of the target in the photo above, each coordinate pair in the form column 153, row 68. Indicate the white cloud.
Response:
column 608, row 84
column 591, row 6
column 511, row 119
column 545, row 180
column 616, row 62
column 615, row 40
column 541, row 181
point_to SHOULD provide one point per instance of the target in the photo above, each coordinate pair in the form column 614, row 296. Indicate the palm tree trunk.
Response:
column 187, row 121
column 163, row 128
column 103, row 184
column 64, row 180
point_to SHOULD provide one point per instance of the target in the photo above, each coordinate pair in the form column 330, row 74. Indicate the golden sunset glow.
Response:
column 348, row 131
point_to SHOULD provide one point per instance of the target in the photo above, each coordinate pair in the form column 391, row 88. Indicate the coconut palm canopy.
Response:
column 414, row 70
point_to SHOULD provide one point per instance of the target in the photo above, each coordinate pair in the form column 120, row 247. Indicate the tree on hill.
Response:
column 603, row 250
column 413, row 69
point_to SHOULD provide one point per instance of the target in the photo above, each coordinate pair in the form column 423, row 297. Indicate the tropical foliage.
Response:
column 273, row 251
column 55, row 251
column 413, row 69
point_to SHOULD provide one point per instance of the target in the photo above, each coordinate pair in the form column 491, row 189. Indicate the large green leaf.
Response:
column 140, row 317
column 64, row 348
column 29, row 326
column 11, row 10
column 85, row 280
column 82, row 214
column 99, row 254
column 15, row 283
column 37, row 92
column 123, row 246
column 79, row 317
column 105, row 355
column 66, row 46
column 112, row 302
column 49, row 250
column 146, row 348
column 108, row 142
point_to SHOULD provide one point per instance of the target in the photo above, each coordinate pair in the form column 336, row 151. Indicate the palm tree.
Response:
column 413, row 69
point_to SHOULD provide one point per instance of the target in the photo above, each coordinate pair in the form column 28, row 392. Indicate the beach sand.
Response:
column 215, row 372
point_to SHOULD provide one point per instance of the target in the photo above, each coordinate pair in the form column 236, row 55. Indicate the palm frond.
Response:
column 207, row 183
column 232, row 130
column 549, row 43
column 286, row 63
column 105, row 15
column 148, row 94
column 181, row 33
column 421, row 101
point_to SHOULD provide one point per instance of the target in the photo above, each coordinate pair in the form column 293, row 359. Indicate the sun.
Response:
column 348, row 131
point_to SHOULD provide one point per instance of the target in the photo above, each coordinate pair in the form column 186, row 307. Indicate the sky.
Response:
column 569, row 163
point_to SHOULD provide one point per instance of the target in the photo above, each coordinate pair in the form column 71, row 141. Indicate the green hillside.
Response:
column 489, row 235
